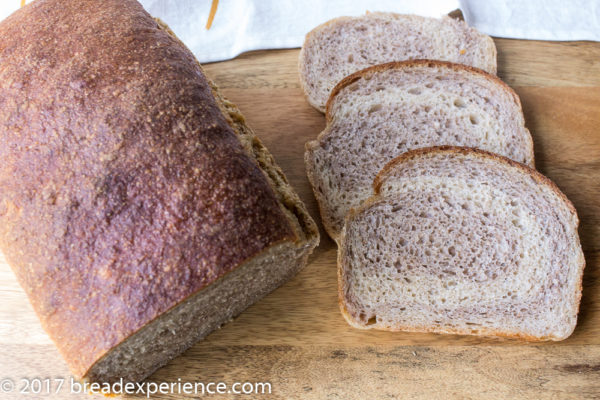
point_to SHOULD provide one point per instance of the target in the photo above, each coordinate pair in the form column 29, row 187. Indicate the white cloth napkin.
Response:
column 535, row 19
column 243, row 25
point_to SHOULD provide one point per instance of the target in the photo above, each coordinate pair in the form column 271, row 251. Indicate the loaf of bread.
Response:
column 380, row 112
column 137, row 209
column 458, row 240
column 345, row 45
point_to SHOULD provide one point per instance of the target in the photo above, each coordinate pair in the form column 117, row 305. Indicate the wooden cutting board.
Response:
column 296, row 338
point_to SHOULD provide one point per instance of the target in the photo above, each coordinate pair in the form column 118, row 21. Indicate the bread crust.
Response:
column 376, row 197
column 127, row 188
column 304, row 226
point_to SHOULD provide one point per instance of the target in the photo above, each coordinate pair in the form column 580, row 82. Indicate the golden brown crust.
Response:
column 123, row 189
column 305, row 227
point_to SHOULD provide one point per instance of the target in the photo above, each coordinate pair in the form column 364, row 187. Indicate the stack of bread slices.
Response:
column 424, row 176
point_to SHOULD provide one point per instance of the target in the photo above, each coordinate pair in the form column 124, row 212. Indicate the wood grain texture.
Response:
column 296, row 338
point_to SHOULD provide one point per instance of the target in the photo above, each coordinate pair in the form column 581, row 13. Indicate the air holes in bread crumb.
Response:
column 474, row 120
column 414, row 91
column 372, row 321
column 375, row 108
column 350, row 58
column 459, row 103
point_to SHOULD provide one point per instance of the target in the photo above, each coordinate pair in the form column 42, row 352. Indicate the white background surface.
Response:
column 242, row 25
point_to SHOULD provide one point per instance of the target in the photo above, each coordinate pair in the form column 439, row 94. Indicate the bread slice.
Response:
column 138, row 210
column 458, row 240
column 379, row 113
column 345, row 45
